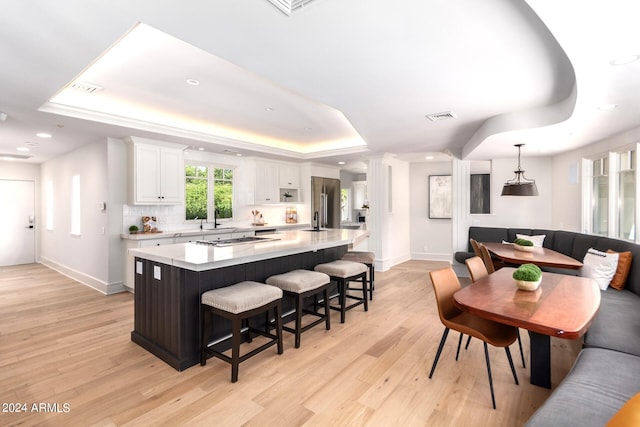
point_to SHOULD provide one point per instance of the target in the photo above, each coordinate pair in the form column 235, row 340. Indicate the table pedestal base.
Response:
column 540, row 359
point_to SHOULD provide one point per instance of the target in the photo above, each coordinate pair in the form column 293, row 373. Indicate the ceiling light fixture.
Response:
column 23, row 149
column 624, row 60
column 43, row 135
column 520, row 185
column 269, row 109
column 193, row 82
column 429, row 157
column 341, row 163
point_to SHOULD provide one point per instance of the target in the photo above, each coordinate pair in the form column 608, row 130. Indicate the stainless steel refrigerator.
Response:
column 325, row 199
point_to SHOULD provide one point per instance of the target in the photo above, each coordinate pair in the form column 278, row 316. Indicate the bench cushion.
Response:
column 617, row 324
column 599, row 384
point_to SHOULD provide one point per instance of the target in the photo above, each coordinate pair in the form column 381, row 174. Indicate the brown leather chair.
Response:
column 476, row 247
column 477, row 271
column 445, row 284
column 491, row 264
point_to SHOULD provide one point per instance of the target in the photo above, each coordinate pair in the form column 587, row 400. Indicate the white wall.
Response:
column 430, row 238
column 18, row 171
column 84, row 257
column 513, row 211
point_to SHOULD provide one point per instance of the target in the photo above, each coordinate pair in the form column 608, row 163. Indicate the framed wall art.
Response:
column 440, row 196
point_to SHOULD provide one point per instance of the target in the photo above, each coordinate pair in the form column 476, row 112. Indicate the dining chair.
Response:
column 477, row 271
column 476, row 247
column 445, row 284
column 491, row 264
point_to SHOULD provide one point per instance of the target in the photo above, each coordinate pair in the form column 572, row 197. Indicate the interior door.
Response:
column 17, row 222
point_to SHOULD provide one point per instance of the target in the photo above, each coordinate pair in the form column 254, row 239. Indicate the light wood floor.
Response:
column 66, row 344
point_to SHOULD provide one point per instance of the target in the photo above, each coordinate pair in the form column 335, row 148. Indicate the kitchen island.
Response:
column 170, row 279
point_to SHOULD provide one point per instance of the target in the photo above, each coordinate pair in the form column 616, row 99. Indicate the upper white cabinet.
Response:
column 359, row 194
column 157, row 173
column 289, row 176
column 266, row 183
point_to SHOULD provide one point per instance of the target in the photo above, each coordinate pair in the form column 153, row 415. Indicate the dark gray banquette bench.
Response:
column 606, row 373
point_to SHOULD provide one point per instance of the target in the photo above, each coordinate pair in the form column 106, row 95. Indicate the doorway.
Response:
column 17, row 222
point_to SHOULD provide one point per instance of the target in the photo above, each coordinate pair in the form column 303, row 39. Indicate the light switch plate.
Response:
column 157, row 272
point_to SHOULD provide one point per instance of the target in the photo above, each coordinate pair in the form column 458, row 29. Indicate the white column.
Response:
column 461, row 221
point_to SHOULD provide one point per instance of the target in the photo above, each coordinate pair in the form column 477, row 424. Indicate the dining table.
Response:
column 540, row 256
column 563, row 306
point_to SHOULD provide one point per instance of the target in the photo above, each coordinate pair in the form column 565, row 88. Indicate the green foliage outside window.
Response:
column 197, row 192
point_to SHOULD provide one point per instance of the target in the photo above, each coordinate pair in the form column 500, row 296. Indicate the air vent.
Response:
column 290, row 6
column 441, row 116
column 86, row 87
column 6, row 156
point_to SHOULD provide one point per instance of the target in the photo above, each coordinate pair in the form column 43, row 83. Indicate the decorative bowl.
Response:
column 523, row 248
column 528, row 286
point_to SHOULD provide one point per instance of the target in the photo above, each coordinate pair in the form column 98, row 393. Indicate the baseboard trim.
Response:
column 85, row 279
column 426, row 256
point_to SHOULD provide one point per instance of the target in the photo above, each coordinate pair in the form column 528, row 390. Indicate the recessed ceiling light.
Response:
column 239, row 154
column 23, row 149
column 193, row 82
column 341, row 163
column 307, row 129
column 43, row 135
column 624, row 60
column 429, row 157
column 200, row 148
column 606, row 107
column 31, row 144
column 269, row 109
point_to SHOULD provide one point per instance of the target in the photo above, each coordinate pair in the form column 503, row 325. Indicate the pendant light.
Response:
column 520, row 185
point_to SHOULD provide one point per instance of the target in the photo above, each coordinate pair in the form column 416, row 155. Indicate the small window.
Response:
column 75, row 205
column 49, row 205
column 600, row 190
column 626, row 196
column 208, row 188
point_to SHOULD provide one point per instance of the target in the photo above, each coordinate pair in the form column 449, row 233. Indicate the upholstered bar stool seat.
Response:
column 301, row 284
column 238, row 303
column 343, row 272
column 368, row 259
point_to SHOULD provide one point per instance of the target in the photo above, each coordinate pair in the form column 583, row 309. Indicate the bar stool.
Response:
column 238, row 303
column 301, row 284
column 368, row 259
column 343, row 272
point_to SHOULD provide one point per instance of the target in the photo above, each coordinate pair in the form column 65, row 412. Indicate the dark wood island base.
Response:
column 167, row 300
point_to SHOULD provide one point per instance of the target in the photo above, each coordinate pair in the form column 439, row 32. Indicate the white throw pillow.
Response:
column 600, row 266
column 536, row 240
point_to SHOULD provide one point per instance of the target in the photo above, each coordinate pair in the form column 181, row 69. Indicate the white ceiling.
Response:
column 337, row 70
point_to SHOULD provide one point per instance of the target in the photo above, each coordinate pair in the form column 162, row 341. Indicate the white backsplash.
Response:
column 171, row 218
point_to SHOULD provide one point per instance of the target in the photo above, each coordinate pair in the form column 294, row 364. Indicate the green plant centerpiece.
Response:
column 523, row 245
column 133, row 229
column 528, row 277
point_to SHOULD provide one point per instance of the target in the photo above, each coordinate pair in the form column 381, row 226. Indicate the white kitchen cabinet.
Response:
column 267, row 190
column 129, row 263
column 237, row 234
column 157, row 174
column 217, row 236
column 289, row 176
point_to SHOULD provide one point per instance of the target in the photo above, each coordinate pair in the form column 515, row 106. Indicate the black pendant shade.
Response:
column 520, row 185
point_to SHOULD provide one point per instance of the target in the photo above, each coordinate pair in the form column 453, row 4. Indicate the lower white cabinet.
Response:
column 129, row 260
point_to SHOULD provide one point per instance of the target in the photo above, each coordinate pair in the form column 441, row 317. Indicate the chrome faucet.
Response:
column 316, row 220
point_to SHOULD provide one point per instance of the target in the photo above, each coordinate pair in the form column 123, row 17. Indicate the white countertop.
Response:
column 204, row 232
column 200, row 257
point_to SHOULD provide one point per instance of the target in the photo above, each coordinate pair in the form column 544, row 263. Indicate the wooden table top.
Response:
column 563, row 306
column 540, row 256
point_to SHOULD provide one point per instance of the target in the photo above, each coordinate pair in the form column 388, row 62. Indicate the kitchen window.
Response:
column 208, row 188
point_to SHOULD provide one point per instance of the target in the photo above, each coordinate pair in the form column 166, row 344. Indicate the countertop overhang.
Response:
column 200, row 257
